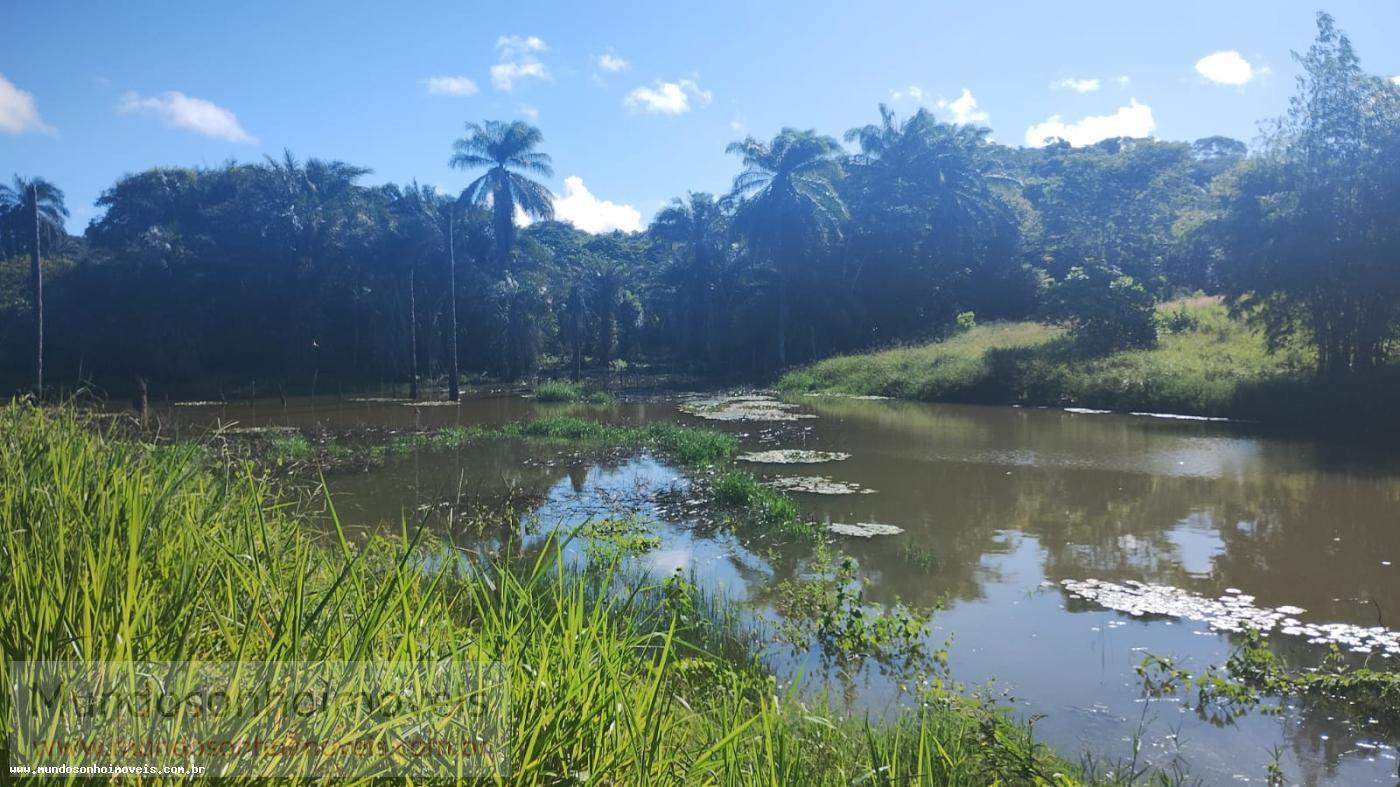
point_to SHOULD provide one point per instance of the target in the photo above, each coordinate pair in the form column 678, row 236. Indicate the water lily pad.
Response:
column 742, row 407
column 864, row 529
column 792, row 456
column 1232, row 612
column 818, row 485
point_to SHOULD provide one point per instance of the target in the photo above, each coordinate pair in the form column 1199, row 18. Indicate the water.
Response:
column 1009, row 502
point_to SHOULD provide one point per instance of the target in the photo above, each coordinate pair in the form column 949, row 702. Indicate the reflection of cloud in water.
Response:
column 1197, row 543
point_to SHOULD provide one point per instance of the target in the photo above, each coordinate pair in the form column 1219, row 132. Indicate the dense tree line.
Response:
column 294, row 270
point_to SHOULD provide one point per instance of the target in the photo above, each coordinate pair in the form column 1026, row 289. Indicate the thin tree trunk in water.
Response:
column 412, row 338
column 454, row 379
column 36, row 275
column 782, row 321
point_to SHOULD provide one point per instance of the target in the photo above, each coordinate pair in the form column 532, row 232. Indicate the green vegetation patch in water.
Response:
column 818, row 485
column 792, row 456
column 566, row 391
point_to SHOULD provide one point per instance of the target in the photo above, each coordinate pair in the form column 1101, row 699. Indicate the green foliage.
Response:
column 1104, row 310
column 1309, row 226
column 1221, row 367
column 751, row 504
column 827, row 607
column 565, row 391
column 611, row 539
column 166, row 557
column 1254, row 672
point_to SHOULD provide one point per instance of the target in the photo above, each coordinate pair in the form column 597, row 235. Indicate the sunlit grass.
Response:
column 1205, row 363
column 565, row 391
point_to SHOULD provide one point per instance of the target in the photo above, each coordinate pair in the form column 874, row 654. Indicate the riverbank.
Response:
column 169, row 553
column 1205, row 364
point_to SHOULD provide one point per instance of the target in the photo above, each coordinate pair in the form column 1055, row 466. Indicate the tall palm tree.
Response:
column 507, row 152
column 695, row 228
column 926, row 195
column 40, row 202
column 787, row 203
column 414, row 210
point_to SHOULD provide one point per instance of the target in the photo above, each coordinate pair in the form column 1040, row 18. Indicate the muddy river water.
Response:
column 998, row 507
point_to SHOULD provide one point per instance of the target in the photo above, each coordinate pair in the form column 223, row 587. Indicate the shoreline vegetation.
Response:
column 176, row 553
column 1206, row 363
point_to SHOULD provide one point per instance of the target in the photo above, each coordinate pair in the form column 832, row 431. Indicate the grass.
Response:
column 686, row 445
column 753, row 504
column 1206, row 363
column 565, row 391
column 121, row 551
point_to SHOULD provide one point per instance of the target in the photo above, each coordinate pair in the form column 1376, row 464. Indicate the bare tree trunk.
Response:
column 412, row 338
column 454, row 377
column 36, row 275
column 782, row 320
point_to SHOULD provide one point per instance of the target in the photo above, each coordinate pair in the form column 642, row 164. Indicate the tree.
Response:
column 692, row 232
column 787, row 205
column 929, row 220
column 39, row 204
column 1309, row 225
column 415, row 235
column 1104, row 309
column 507, row 152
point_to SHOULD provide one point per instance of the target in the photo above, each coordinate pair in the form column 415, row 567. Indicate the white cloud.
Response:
column 518, row 61
column 611, row 63
column 668, row 98
column 582, row 209
column 532, row 113
column 964, row 109
column 178, row 110
column 520, row 46
column 1134, row 120
column 1124, row 80
column 1077, row 85
column 450, row 86
column 18, row 112
column 913, row 93
column 1227, row 67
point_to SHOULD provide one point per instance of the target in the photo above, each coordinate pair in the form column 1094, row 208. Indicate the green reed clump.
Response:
column 753, row 504
column 566, row 391
column 120, row 551
column 688, row 445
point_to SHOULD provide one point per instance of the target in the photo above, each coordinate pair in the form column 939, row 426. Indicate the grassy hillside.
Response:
column 1205, row 364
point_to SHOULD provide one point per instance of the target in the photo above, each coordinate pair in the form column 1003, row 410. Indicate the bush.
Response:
column 1104, row 309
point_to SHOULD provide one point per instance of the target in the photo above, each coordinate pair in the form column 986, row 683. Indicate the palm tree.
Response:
column 507, row 152
column 695, row 229
column 926, row 195
column 414, row 210
column 787, row 203
column 41, row 202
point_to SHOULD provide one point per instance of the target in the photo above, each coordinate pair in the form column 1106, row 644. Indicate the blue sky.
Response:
column 636, row 100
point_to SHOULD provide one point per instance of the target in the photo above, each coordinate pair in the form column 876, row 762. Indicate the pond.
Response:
column 995, row 508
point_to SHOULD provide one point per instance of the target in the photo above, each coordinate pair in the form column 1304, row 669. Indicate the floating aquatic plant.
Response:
column 1233, row 612
column 742, row 407
column 792, row 456
column 818, row 485
column 864, row 529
